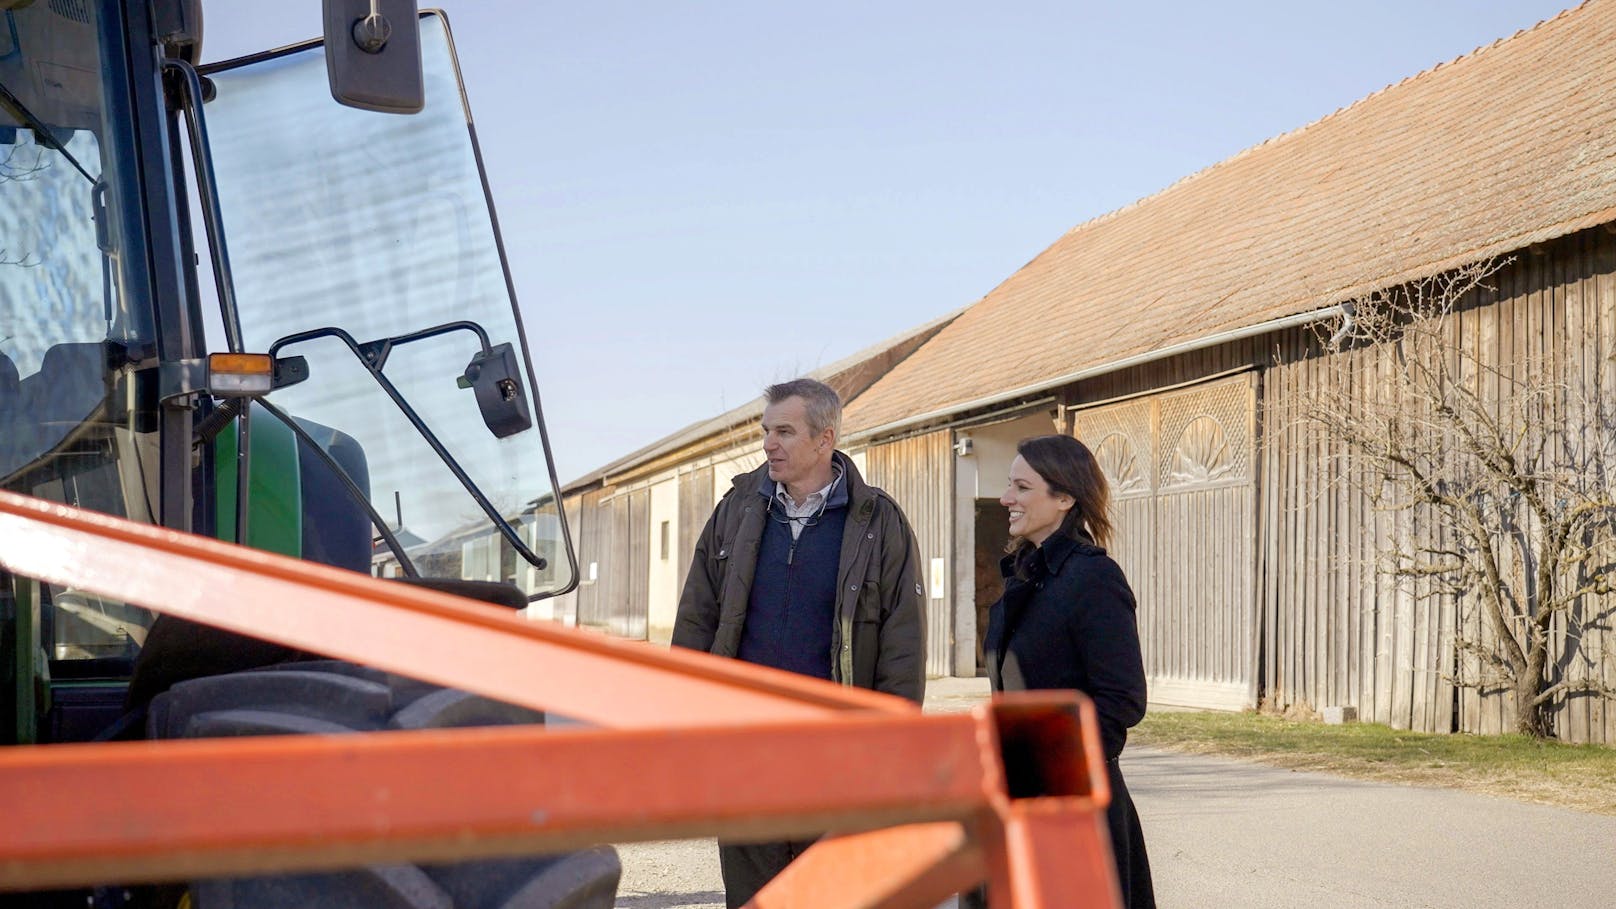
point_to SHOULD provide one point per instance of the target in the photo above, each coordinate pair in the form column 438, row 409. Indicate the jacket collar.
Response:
column 1050, row 557
column 1060, row 547
column 852, row 491
column 836, row 498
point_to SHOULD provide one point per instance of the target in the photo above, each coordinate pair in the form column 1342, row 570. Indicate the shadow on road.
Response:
column 671, row 900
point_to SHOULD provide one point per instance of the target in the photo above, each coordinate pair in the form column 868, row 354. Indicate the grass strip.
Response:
column 1581, row 777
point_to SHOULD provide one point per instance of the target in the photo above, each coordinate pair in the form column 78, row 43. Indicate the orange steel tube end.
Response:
column 1045, row 843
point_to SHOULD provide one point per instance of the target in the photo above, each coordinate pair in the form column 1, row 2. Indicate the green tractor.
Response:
column 263, row 300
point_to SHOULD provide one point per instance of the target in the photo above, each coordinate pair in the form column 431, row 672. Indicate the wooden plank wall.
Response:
column 1557, row 307
column 614, row 533
column 695, row 507
column 918, row 472
column 594, row 523
column 630, row 609
column 1336, row 631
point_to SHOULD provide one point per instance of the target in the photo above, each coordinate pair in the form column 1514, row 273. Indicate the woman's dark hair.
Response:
column 1069, row 467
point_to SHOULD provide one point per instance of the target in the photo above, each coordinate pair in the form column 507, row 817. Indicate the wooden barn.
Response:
column 1180, row 338
column 1176, row 336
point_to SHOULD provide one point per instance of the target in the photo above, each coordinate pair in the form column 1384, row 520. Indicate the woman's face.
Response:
column 1035, row 512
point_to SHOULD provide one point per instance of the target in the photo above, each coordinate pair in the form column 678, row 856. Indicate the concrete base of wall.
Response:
column 1174, row 692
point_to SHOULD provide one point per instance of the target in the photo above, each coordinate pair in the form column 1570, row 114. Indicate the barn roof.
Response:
column 850, row 376
column 1512, row 144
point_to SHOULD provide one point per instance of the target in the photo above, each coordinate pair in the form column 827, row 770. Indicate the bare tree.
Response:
column 14, row 168
column 1513, row 461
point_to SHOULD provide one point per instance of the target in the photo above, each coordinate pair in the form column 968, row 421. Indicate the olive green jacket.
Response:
column 879, row 641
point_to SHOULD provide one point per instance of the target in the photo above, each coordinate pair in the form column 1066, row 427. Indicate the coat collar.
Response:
column 1051, row 556
column 852, row 491
column 836, row 497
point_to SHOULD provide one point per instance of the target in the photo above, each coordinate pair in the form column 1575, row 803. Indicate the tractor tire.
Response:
column 332, row 697
column 375, row 887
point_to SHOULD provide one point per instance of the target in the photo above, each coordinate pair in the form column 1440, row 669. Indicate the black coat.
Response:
column 1069, row 623
column 1066, row 620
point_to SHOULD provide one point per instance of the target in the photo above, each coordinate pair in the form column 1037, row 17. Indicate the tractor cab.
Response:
column 263, row 300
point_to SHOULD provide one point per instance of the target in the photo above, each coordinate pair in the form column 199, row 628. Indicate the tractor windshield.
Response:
column 364, row 244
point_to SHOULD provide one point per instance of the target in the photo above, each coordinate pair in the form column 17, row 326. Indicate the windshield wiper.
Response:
column 14, row 105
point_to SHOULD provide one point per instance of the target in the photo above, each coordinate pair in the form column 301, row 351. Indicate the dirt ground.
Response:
column 681, row 874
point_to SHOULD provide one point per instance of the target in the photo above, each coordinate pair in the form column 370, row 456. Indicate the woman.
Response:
column 1066, row 619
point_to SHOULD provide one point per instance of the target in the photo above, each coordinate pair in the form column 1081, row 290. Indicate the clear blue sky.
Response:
column 701, row 198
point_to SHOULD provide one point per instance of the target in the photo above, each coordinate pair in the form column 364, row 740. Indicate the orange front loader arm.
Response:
column 693, row 745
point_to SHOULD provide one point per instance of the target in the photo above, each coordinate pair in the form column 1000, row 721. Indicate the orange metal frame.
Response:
column 919, row 805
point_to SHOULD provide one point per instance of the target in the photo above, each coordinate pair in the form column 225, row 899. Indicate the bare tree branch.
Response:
column 16, row 168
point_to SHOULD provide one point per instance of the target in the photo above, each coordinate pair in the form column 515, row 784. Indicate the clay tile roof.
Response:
column 1506, row 146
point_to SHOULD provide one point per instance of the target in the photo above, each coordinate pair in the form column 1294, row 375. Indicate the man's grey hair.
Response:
column 823, row 404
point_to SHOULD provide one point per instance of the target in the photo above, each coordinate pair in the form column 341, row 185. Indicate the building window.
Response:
column 664, row 541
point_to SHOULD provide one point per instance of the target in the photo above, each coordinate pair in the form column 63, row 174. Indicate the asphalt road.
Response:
column 1225, row 834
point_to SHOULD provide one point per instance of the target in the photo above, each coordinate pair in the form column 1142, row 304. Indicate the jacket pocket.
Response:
column 866, row 628
column 867, row 601
column 719, row 560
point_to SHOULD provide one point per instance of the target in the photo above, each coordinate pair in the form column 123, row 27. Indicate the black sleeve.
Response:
column 696, row 623
column 1105, row 635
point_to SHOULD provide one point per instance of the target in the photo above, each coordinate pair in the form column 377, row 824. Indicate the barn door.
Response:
column 1184, row 494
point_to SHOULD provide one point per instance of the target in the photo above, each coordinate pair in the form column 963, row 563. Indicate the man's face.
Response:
column 792, row 449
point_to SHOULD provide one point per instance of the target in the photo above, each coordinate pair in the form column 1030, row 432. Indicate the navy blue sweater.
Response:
column 792, row 611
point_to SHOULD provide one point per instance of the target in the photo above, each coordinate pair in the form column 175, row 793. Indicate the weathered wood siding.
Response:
column 695, row 507
column 632, row 617
column 593, row 534
column 615, row 536
column 631, row 566
column 1336, row 630
column 918, row 473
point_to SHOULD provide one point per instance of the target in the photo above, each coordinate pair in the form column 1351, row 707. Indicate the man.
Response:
column 805, row 567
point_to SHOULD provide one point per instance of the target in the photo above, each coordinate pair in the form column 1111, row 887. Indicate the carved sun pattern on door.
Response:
column 1120, row 462
column 1202, row 454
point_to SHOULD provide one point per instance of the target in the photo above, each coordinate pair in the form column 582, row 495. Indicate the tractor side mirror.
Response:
column 373, row 55
column 496, row 377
